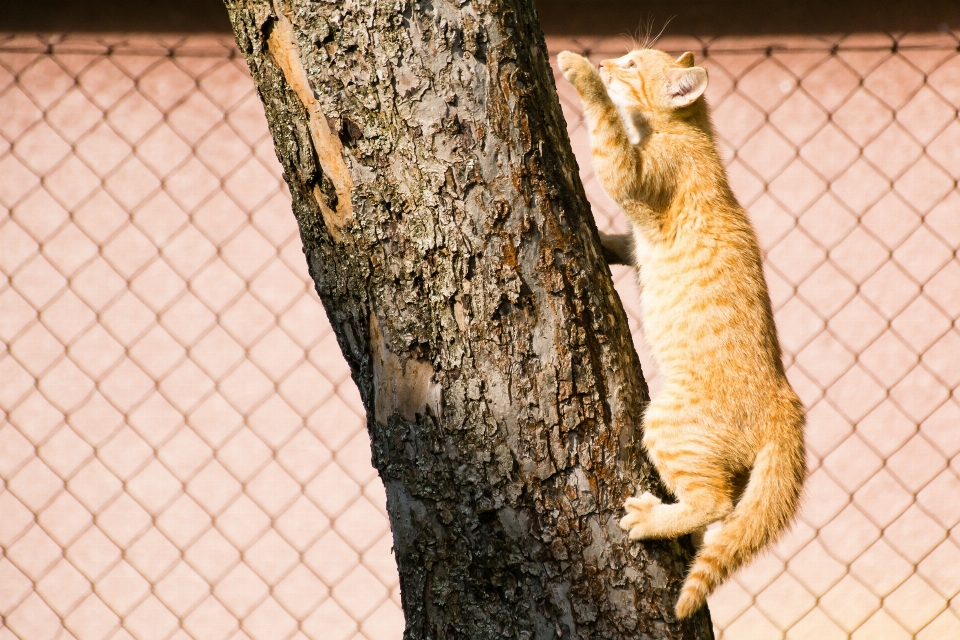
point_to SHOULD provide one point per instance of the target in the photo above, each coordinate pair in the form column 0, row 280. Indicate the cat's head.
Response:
column 650, row 82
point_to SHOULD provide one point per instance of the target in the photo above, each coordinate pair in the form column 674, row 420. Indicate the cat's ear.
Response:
column 686, row 85
column 686, row 60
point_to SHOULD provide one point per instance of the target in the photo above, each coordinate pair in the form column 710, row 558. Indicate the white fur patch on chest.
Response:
column 629, row 124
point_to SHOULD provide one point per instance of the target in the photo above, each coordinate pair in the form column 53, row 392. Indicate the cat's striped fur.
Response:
column 726, row 431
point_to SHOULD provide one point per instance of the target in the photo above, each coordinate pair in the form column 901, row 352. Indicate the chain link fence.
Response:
column 183, row 453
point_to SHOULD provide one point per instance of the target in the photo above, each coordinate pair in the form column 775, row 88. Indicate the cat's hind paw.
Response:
column 638, row 514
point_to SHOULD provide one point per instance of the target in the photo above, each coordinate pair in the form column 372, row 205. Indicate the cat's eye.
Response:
column 630, row 64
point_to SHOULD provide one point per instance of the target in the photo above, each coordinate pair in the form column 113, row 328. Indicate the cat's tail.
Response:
column 766, row 508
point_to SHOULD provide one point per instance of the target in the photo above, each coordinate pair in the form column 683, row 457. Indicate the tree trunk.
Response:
column 450, row 240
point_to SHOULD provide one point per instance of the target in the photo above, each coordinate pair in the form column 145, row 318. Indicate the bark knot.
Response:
column 407, row 387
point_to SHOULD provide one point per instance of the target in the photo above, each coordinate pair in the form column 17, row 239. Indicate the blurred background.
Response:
column 183, row 453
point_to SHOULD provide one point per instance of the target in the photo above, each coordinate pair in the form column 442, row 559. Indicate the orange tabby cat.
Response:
column 726, row 431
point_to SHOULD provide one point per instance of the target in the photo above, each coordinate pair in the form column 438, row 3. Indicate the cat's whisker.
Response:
column 665, row 25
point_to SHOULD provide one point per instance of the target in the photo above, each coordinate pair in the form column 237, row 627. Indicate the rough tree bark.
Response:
column 445, row 226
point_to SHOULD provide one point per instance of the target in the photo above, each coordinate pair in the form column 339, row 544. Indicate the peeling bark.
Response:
column 450, row 240
column 285, row 52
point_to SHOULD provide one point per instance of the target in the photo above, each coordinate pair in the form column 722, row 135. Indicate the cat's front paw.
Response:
column 575, row 68
column 638, row 514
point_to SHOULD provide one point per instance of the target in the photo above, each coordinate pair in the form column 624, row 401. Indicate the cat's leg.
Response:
column 704, row 536
column 647, row 517
column 688, row 467
column 615, row 159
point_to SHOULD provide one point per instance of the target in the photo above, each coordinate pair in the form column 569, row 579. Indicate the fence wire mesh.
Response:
column 183, row 454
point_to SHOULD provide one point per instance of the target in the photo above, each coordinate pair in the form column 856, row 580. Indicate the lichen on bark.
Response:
column 466, row 287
